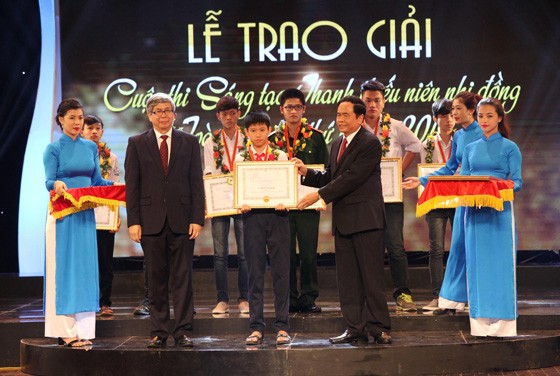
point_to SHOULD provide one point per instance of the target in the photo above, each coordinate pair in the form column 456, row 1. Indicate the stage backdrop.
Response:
column 115, row 54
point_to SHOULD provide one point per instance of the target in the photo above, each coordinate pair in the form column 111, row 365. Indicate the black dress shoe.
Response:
column 157, row 342
column 382, row 338
column 184, row 341
column 311, row 308
column 348, row 337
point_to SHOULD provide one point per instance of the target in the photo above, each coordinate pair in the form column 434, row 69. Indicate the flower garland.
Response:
column 385, row 131
column 272, row 153
column 104, row 159
column 430, row 146
column 282, row 138
column 219, row 149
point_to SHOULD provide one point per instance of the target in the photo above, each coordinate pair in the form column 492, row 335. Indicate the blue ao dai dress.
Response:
column 490, row 241
column 71, row 275
column 453, row 293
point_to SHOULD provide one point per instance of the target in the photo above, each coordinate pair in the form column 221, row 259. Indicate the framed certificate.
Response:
column 304, row 189
column 265, row 184
column 391, row 179
column 218, row 193
column 106, row 218
column 425, row 169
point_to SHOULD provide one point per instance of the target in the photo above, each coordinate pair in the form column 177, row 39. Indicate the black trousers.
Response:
column 264, row 230
column 168, row 258
column 105, row 246
column 361, row 285
column 304, row 230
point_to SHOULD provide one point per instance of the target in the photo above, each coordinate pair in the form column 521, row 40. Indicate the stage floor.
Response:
column 539, row 311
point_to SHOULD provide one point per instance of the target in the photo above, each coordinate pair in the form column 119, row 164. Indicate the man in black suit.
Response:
column 352, row 182
column 165, row 212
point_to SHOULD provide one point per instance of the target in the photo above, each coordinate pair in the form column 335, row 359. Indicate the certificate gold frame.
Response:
column 425, row 169
column 218, row 195
column 391, row 179
column 304, row 189
column 106, row 218
column 265, row 184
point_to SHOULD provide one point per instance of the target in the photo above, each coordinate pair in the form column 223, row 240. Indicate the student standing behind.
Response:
column 165, row 211
column 266, row 229
column 490, row 239
column 352, row 182
column 219, row 155
column 109, row 165
column 437, row 149
column 394, row 136
column 298, row 139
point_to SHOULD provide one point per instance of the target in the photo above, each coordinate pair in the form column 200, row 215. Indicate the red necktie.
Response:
column 164, row 153
column 342, row 148
column 260, row 157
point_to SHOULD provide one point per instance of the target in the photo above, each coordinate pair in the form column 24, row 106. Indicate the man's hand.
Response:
column 411, row 182
column 135, row 233
column 194, row 230
column 307, row 200
column 302, row 170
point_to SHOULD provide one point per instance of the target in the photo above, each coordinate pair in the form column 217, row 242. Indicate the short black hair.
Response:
column 441, row 107
column 256, row 117
column 227, row 102
column 93, row 119
column 372, row 85
column 359, row 105
column 65, row 106
column 292, row 93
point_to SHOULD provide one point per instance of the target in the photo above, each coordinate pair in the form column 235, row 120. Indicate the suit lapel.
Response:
column 176, row 144
column 334, row 153
column 349, row 149
column 152, row 147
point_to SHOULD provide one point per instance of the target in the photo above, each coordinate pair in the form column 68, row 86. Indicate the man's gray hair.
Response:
column 156, row 99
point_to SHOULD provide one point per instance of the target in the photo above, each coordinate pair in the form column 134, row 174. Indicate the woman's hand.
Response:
column 411, row 182
column 60, row 187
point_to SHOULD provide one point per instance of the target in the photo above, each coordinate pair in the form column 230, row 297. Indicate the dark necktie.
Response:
column 164, row 153
column 342, row 149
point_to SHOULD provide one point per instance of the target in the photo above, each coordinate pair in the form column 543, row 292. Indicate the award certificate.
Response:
column 218, row 192
column 265, row 184
column 304, row 189
column 391, row 178
column 106, row 218
column 425, row 169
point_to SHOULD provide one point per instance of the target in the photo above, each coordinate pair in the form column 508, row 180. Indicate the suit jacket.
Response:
column 353, row 185
column 152, row 197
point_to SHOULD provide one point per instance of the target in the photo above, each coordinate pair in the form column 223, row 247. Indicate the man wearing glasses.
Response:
column 298, row 139
column 165, row 213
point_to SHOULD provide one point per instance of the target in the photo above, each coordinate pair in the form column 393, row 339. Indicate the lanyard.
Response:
column 231, row 156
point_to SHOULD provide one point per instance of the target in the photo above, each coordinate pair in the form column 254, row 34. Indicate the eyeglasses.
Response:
column 160, row 113
column 297, row 107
